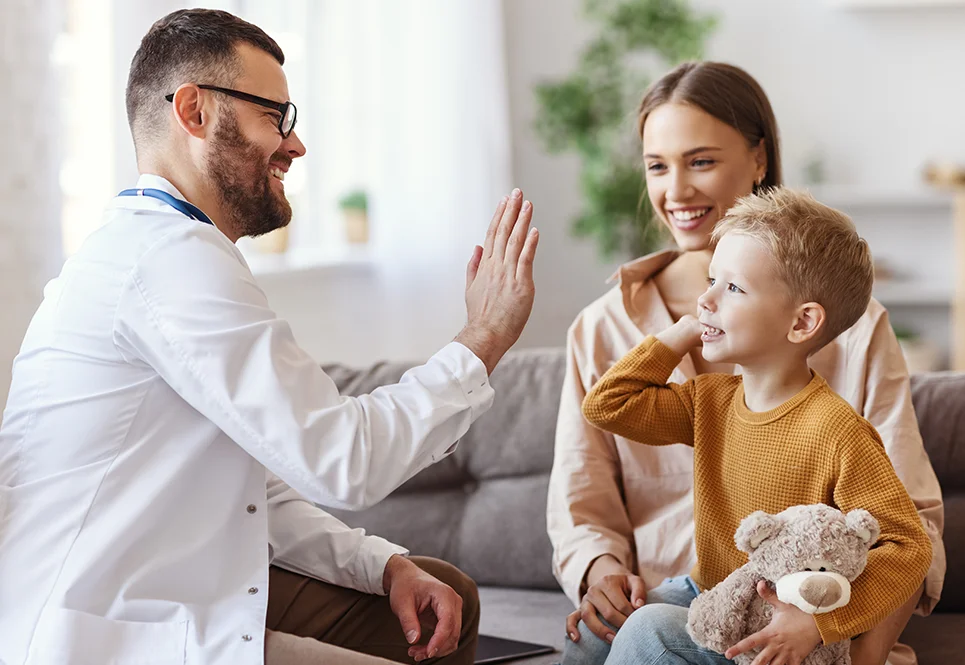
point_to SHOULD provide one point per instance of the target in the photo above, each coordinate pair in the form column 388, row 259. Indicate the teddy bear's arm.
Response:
column 720, row 618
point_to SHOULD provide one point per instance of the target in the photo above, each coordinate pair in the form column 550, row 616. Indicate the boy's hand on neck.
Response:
column 682, row 336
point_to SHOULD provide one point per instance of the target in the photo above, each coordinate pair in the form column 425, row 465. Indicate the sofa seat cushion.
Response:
column 529, row 615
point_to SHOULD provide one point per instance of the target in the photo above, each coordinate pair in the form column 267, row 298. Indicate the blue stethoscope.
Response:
column 183, row 207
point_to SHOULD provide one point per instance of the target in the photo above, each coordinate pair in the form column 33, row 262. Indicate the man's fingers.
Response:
column 524, row 266
column 473, row 266
column 506, row 224
column 409, row 619
column 518, row 237
column 445, row 638
column 493, row 225
column 573, row 625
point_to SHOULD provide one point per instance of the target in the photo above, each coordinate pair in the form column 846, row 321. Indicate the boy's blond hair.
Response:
column 817, row 251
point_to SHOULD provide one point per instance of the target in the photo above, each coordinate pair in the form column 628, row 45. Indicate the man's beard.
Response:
column 240, row 177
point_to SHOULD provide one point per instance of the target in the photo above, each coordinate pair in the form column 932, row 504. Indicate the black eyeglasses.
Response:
column 288, row 111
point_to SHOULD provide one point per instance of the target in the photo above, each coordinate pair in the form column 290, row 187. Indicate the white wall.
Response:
column 878, row 91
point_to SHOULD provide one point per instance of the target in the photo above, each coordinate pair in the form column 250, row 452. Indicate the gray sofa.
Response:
column 483, row 508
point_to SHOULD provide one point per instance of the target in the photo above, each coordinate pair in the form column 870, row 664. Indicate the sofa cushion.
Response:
column 483, row 508
column 939, row 399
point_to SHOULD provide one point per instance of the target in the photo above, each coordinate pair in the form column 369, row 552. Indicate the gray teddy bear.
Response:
column 810, row 554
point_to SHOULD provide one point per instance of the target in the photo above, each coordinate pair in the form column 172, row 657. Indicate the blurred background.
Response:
column 419, row 115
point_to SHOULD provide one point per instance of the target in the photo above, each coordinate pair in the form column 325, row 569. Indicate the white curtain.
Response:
column 413, row 108
column 30, row 248
column 442, row 159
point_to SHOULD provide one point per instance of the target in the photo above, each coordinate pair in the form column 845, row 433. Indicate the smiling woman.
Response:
column 620, row 515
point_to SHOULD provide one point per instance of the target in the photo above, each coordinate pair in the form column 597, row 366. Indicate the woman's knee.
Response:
column 654, row 624
column 589, row 650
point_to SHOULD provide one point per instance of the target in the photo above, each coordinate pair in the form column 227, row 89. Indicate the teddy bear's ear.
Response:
column 755, row 529
column 863, row 525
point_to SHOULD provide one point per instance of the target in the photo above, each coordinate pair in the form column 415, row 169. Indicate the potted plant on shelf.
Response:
column 355, row 207
column 589, row 113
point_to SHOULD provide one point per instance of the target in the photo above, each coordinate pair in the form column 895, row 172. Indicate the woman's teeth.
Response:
column 687, row 215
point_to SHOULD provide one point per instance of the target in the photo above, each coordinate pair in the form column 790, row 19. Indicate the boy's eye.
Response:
column 733, row 288
column 710, row 281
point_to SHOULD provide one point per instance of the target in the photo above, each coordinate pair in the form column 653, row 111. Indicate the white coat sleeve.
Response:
column 191, row 310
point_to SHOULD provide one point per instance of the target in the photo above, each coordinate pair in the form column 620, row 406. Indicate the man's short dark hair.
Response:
column 186, row 46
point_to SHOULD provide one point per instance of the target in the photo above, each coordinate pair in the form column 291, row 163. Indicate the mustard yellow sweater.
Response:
column 813, row 448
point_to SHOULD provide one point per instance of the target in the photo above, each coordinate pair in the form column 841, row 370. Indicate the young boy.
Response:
column 788, row 275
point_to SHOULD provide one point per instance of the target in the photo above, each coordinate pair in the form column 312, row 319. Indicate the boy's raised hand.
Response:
column 787, row 640
column 682, row 336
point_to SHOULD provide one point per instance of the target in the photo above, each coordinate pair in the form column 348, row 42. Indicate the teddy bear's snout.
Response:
column 821, row 590
column 814, row 592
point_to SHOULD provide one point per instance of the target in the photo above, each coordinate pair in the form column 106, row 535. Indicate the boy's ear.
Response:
column 809, row 321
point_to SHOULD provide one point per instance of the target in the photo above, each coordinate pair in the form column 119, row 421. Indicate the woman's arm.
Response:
column 586, row 517
column 888, row 406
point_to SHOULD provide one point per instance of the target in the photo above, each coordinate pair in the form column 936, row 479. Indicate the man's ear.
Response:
column 810, row 320
column 192, row 110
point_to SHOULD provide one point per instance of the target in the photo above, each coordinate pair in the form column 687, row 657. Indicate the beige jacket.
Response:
column 608, row 495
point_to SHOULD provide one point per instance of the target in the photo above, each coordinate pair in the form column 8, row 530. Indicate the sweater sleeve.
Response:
column 899, row 560
column 634, row 400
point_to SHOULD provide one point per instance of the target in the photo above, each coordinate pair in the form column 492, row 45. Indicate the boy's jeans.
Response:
column 655, row 634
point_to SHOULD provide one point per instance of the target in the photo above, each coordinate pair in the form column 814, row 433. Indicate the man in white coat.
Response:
column 165, row 438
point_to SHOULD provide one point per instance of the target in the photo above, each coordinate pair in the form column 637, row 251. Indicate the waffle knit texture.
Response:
column 813, row 448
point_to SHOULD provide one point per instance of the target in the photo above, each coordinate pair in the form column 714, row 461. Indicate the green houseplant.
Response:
column 591, row 112
column 355, row 207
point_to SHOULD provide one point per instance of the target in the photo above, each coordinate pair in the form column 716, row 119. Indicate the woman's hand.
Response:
column 614, row 597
